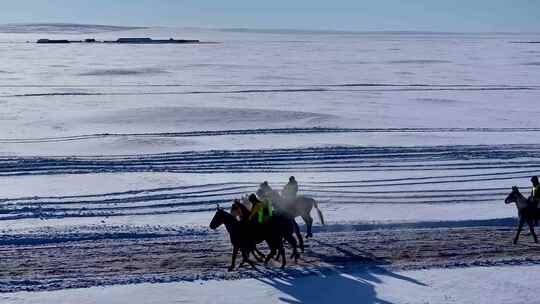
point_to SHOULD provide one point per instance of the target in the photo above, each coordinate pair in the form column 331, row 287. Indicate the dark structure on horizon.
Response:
column 151, row 41
column 121, row 40
column 54, row 41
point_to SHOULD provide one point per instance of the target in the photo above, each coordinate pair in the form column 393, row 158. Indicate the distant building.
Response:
column 150, row 40
column 122, row 40
column 52, row 41
column 134, row 40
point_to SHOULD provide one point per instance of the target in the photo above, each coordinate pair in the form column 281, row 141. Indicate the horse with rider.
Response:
column 527, row 207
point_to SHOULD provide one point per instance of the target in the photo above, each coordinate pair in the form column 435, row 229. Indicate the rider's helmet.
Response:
column 253, row 199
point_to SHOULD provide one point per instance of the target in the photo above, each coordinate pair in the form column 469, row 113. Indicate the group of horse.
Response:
column 281, row 227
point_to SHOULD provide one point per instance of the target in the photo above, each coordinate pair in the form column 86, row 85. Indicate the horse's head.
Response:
column 514, row 196
column 245, row 200
column 218, row 219
column 236, row 209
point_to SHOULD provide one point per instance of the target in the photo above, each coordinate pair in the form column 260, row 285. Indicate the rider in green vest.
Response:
column 262, row 209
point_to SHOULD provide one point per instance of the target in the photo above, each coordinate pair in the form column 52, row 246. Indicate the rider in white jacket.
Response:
column 290, row 190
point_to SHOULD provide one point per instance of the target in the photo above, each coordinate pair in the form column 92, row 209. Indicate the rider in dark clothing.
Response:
column 534, row 199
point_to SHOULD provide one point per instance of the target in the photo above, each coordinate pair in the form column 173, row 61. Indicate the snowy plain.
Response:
column 381, row 128
column 478, row 285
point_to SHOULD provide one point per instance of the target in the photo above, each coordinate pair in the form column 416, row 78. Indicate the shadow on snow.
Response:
column 357, row 287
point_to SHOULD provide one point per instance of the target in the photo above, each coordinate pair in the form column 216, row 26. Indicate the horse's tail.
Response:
column 298, row 235
column 319, row 212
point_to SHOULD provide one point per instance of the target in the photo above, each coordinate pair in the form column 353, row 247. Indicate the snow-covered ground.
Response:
column 422, row 129
column 478, row 285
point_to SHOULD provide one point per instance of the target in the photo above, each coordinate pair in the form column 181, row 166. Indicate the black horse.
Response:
column 527, row 212
column 241, row 238
column 244, row 237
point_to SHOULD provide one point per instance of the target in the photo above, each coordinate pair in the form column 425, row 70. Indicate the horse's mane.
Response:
column 227, row 214
column 242, row 207
column 516, row 189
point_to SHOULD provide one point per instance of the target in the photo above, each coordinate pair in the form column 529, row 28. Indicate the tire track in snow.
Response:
column 279, row 160
column 277, row 90
column 174, row 201
column 521, row 161
column 278, row 131
column 262, row 85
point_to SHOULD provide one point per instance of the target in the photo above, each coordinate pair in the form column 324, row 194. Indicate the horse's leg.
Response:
column 242, row 252
column 531, row 227
column 319, row 212
column 299, row 236
column 291, row 240
column 309, row 221
column 270, row 255
column 521, row 222
column 259, row 256
column 245, row 257
column 233, row 260
column 282, row 252
column 278, row 256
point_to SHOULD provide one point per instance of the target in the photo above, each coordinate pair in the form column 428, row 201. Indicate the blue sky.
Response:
column 423, row 15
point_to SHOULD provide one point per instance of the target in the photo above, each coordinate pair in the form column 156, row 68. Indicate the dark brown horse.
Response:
column 244, row 236
column 527, row 212
column 301, row 206
column 241, row 239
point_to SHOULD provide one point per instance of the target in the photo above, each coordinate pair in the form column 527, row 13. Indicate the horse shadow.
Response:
column 334, row 286
column 340, row 282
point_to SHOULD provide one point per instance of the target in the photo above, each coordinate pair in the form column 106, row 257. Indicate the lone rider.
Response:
column 290, row 190
column 534, row 199
column 261, row 209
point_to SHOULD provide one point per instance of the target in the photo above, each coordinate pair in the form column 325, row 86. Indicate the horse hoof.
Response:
column 230, row 269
